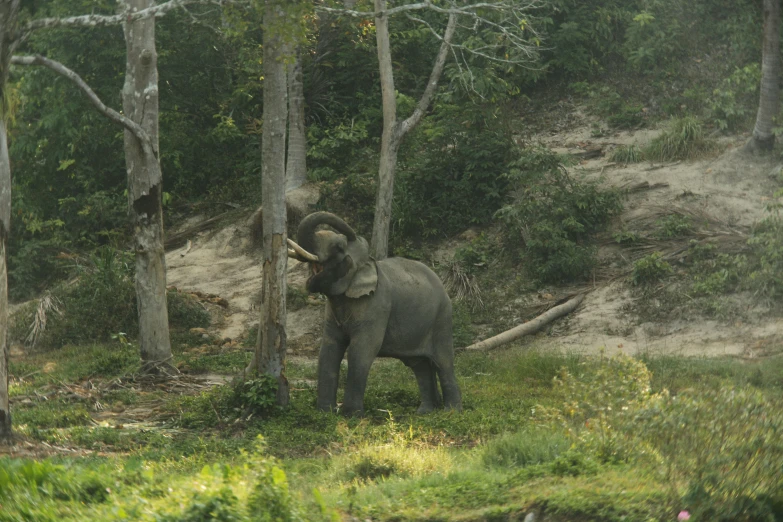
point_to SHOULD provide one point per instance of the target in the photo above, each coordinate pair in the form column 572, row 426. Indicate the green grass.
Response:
column 493, row 461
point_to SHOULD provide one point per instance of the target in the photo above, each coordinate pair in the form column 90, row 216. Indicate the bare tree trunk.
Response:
column 390, row 141
column 769, row 99
column 140, row 104
column 271, row 346
column 394, row 132
column 9, row 11
column 296, row 162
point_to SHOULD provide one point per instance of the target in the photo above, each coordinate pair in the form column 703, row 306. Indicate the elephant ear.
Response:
column 364, row 282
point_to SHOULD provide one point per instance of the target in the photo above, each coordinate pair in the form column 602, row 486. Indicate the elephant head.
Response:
column 339, row 260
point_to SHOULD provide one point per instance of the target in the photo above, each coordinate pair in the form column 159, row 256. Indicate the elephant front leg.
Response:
column 360, row 358
column 329, row 359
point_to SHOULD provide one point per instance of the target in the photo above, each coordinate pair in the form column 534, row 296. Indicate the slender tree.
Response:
column 271, row 345
column 140, row 104
column 9, row 11
column 296, row 160
column 512, row 40
column 763, row 138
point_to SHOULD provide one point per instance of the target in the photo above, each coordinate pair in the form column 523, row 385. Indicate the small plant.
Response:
column 255, row 396
column 598, row 403
column 624, row 237
column 295, row 299
column 528, row 447
column 650, row 269
column 553, row 221
column 733, row 103
column 673, row 226
column 627, row 154
column 683, row 140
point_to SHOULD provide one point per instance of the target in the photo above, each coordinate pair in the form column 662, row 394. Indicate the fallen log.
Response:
column 527, row 328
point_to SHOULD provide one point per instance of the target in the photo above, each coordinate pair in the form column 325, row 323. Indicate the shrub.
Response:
column 726, row 444
column 528, row 447
column 767, row 247
column 627, row 154
column 733, row 104
column 599, row 403
column 650, row 269
column 683, row 140
column 98, row 305
column 673, row 226
column 554, row 218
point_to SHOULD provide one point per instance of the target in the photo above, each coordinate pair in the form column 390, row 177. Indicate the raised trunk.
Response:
column 9, row 11
column 270, row 349
column 763, row 138
column 296, row 162
column 389, row 139
column 140, row 104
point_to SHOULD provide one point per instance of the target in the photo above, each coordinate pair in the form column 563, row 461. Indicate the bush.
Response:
column 99, row 305
column 599, row 404
column 726, row 444
column 733, row 104
column 525, row 448
column 683, row 140
column 554, row 218
column 627, row 154
column 650, row 269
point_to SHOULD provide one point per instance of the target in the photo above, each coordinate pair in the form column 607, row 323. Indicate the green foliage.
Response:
column 99, row 305
column 450, row 174
column 256, row 396
column 767, row 244
column 683, row 140
column 295, row 299
column 606, row 102
column 732, row 104
column 627, row 154
column 464, row 333
column 725, row 443
column 524, row 448
column 554, row 219
column 650, row 269
column 598, row 403
column 673, row 226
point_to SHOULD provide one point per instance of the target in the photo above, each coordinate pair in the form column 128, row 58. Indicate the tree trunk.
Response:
column 140, row 104
column 769, row 99
column 271, row 346
column 389, row 140
column 296, row 162
column 394, row 132
column 9, row 11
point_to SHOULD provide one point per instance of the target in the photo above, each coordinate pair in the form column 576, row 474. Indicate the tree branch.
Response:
column 110, row 113
column 96, row 20
column 432, row 84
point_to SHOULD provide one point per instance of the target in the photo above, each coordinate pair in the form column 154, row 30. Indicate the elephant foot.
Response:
column 352, row 410
column 425, row 408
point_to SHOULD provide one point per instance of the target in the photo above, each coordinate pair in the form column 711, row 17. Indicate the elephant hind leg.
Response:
column 426, row 377
column 443, row 360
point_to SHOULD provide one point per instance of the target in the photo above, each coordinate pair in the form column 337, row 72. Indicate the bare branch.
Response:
column 110, row 113
column 96, row 20
column 432, row 84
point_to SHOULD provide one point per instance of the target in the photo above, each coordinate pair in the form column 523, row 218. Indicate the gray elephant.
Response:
column 391, row 308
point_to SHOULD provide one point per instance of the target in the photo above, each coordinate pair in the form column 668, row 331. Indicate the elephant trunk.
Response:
column 305, row 234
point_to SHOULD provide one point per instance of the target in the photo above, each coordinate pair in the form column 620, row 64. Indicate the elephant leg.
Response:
column 443, row 359
column 329, row 359
column 361, row 354
column 428, row 383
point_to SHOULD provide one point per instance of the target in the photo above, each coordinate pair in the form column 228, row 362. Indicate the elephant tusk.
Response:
column 299, row 252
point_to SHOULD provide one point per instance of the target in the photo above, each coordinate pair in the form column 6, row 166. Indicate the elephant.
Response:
column 395, row 308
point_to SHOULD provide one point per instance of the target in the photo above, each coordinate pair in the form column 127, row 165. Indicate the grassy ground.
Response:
column 180, row 453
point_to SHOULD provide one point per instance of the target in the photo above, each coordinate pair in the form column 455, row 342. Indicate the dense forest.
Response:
column 603, row 173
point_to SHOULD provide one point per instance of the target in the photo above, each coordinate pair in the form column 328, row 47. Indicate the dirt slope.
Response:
column 731, row 188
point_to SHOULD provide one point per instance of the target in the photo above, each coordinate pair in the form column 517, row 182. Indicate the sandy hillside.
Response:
column 731, row 189
column 224, row 263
